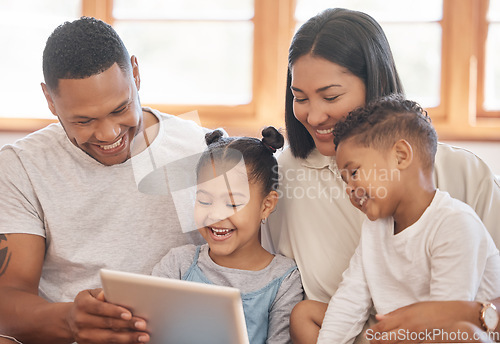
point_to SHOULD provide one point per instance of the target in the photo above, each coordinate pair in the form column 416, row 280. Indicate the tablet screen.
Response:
column 177, row 311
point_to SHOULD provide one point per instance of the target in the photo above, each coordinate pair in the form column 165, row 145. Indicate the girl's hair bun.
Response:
column 213, row 136
column 272, row 139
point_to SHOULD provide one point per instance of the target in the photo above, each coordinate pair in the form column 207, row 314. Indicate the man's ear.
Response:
column 135, row 72
column 404, row 154
column 48, row 97
column 268, row 204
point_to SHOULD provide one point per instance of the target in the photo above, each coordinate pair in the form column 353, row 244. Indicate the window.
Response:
column 439, row 48
column 24, row 28
column 190, row 51
column 401, row 19
column 490, row 95
column 228, row 59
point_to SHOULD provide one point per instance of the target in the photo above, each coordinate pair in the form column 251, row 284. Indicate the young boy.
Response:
column 418, row 242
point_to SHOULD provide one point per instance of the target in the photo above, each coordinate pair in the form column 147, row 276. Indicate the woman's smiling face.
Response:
column 324, row 92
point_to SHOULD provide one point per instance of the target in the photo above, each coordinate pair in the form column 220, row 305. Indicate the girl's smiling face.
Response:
column 324, row 92
column 229, row 210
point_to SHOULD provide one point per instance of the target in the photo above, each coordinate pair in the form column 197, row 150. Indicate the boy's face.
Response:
column 228, row 210
column 101, row 114
column 372, row 178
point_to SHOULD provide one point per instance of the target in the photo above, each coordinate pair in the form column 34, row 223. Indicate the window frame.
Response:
column 459, row 116
column 464, row 37
column 270, row 53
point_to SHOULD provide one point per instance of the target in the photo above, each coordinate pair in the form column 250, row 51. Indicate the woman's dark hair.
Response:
column 351, row 39
column 260, row 162
column 80, row 49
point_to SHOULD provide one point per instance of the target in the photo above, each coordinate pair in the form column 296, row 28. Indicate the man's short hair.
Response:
column 80, row 49
column 386, row 120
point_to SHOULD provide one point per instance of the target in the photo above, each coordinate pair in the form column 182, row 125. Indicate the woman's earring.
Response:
column 263, row 220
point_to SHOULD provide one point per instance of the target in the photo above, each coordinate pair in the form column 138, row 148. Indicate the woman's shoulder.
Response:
column 455, row 166
column 469, row 179
column 285, row 157
column 449, row 157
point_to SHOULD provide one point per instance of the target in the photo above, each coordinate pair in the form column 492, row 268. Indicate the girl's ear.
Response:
column 404, row 154
column 268, row 204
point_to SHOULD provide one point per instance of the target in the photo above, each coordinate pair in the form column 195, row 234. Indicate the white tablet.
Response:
column 179, row 312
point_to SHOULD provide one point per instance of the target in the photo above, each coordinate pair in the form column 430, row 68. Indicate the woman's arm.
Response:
column 429, row 316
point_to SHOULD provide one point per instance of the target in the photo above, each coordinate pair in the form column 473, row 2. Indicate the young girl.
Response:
column 236, row 191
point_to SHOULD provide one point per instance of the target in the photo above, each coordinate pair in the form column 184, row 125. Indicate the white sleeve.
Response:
column 21, row 211
column 349, row 308
column 459, row 253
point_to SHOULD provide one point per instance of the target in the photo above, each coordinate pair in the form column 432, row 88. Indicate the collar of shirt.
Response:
column 317, row 160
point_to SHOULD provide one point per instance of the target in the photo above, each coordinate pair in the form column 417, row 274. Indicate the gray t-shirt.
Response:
column 178, row 261
column 94, row 216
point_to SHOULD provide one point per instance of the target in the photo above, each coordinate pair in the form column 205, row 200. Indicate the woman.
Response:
column 340, row 60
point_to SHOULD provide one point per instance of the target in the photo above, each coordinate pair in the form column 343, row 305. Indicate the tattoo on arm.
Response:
column 4, row 254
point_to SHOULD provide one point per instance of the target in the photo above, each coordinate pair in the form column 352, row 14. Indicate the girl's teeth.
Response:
column 114, row 145
column 221, row 232
column 325, row 131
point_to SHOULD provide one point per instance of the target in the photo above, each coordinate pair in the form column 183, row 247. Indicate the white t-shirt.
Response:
column 316, row 224
column 93, row 216
column 446, row 255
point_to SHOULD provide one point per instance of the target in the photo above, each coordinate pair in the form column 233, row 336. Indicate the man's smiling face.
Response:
column 101, row 114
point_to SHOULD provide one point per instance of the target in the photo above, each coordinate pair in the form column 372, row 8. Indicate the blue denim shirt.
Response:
column 256, row 304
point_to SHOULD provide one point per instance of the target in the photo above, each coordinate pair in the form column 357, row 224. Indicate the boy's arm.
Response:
column 289, row 294
column 349, row 308
column 31, row 319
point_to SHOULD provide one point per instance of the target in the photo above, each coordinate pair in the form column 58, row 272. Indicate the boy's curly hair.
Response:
column 386, row 120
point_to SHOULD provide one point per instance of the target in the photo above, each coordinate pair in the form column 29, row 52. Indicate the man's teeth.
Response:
column 324, row 131
column 114, row 145
column 221, row 231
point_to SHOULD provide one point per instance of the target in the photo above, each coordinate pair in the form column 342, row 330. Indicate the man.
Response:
column 69, row 201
